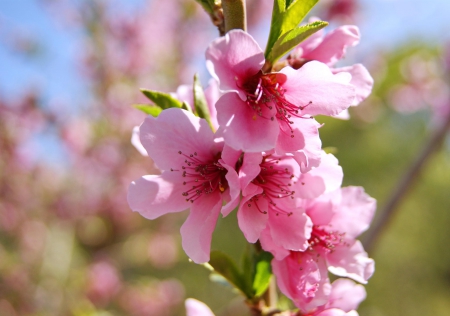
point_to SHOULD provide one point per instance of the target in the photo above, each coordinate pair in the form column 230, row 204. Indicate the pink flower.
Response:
column 338, row 218
column 271, row 190
column 268, row 199
column 268, row 111
column 329, row 49
column 197, row 308
column 345, row 297
column 197, row 173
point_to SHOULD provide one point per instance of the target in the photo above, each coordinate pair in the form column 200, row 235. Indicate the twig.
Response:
column 405, row 184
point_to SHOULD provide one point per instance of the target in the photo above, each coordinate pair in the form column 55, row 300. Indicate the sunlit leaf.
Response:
column 200, row 104
column 292, row 38
column 149, row 109
column 161, row 99
column 263, row 273
column 286, row 15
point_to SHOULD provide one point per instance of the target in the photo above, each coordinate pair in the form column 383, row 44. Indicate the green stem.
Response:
column 234, row 14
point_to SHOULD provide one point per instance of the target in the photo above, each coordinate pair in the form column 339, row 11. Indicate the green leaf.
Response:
column 292, row 38
column 152, row 110
column 208, row 5
column 200, row 104
column 263, row 273
column 286, row 15
column 163, row 100
column 224, row 266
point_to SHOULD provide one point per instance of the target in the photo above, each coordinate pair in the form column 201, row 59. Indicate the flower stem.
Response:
column 405, row 183
column 234, row 14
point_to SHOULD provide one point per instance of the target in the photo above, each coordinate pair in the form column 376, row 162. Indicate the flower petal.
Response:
column 334, row 45
column 173, row 131
column 197, row 230
column 351, row 261
column 197, row 308
column 315, row 87
column 233, row 58
column 361, row 80
column 346, row 295
column 156, row 195
column 354, row 213
column 242, row 128
column 252, row 216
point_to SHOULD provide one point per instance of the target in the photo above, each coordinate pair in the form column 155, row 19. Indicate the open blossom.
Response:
column 338, row 218
column 265, row 111
column 345, row 297
column 271, row 190
column 329, row 49
column 197, row 174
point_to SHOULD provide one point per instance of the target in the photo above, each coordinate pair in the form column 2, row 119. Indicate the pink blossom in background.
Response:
column 197, row 174
column 271, row 111
column 103, row 283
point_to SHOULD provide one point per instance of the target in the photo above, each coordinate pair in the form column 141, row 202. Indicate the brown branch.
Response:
column 406, row 183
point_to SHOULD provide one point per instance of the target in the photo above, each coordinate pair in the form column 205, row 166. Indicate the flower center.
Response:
column 276, row 182
column 325, row 240
column 202, row 177
column 266, row 91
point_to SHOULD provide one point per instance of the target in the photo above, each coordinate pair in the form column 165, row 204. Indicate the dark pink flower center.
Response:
column 325, row 240
column 266, row 90
column 202, row 177
column 276, row 182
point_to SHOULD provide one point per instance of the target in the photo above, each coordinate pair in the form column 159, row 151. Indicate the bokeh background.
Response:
column 69, row 72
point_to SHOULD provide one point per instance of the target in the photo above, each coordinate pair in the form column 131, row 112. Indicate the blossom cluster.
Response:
column 263, row 157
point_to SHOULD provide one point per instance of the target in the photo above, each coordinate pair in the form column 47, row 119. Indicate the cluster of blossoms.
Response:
column 265, row 159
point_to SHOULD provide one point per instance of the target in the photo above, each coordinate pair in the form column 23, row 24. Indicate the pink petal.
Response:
column 314, row 82
column 334, row 45
column 290, row 232
column 242, row 128
column 321, row 210
column 252, row 217
column 336, row 312
column 346, row 295
column 361, row 80
column 197, row 308
column 156, row 195
column 136, row 142
column 355, row 212
column 250, row 169
column 176, row 130
column 351, row 261
column 326, row 177
column 233, row 58
column 309, row 156
column 267, row 244
column 197, row 230
column 232, row 195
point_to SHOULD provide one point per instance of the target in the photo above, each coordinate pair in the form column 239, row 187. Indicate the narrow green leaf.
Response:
column 200, row 104
column 224, row 266
column 208, row 5
column 163, row 100
column 152, row 110
column 286, row 15
column 292, row 38
column 263, row 273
